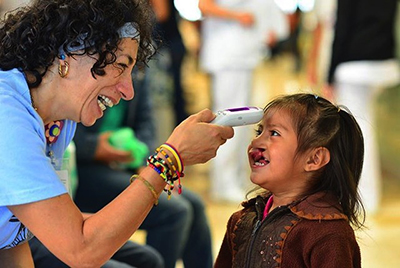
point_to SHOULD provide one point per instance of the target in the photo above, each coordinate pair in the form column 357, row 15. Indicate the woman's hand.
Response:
column 196, row 140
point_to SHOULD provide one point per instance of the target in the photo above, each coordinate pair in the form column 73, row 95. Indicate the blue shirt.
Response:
column 27, row 174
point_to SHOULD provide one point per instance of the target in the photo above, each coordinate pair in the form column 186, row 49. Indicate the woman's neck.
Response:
column 43, row 101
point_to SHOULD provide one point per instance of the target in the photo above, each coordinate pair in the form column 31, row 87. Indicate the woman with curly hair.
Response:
column 63, row 62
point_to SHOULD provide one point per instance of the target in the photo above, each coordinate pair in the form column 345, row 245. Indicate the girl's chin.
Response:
column 258, row 179
column 255, row 179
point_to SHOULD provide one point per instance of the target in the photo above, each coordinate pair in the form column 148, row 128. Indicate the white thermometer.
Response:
column 239, row 116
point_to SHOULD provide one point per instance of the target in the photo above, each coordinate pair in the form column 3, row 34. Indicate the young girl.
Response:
column 308, row 156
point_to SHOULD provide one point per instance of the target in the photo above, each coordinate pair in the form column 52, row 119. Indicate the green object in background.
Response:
column 125, row 139
column 69, row 163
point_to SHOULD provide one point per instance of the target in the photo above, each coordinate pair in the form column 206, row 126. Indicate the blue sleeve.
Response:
column 26, row 173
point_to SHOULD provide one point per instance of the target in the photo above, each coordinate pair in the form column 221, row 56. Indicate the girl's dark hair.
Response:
column 319, row 123
column 30, row 36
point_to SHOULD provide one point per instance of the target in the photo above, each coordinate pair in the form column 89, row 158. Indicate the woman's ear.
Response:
column 318, row 158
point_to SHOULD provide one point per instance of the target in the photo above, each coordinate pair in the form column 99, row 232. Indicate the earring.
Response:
column 63, row 69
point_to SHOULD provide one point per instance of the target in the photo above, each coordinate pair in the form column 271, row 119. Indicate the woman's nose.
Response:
column 125, row 87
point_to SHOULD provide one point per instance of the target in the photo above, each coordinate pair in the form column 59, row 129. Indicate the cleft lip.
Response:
column 257, row 157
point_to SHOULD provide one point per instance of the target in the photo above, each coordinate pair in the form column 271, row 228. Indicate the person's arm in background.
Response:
column 312, row 66
column 275, row 22
column 161, row 8
column 211, row 8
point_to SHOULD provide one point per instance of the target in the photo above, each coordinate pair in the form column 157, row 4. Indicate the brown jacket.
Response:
column 312, row 232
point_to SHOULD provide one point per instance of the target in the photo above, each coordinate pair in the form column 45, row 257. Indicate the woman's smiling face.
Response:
column 272, row 154
column 93, row 96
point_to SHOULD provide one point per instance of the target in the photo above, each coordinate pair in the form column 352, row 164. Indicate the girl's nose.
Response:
column 258, row 141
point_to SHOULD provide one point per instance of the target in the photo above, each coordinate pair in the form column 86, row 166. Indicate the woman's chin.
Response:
column 90, row 119
column 87, row 122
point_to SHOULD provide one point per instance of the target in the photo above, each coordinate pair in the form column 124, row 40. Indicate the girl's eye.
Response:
column 274, row 133
column 258, row 131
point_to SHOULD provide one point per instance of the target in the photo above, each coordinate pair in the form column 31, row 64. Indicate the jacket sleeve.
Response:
column 336, row 250
column 225, row 255
column 328, row 244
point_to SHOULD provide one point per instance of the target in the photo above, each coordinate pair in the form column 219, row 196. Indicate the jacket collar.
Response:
column 318, row 206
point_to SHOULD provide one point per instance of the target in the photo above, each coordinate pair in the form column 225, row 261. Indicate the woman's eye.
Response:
column 123, row 65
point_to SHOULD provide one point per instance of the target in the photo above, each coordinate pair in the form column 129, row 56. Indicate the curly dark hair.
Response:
column 31, row 36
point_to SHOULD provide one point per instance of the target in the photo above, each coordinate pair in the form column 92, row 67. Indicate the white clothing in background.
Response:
column 226, row 44
column 325, row 11
column 230, row 53
column 357, row 84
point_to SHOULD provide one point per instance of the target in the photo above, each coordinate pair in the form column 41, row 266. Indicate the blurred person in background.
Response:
column 172, row 44
column 363, row 63
column 322, row 36
column 236, row 36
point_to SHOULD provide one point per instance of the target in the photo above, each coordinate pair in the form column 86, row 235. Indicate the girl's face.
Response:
column 272, row 156
column 90, row 97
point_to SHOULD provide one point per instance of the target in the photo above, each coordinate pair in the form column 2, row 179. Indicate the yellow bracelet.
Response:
column 162, row 151
column 148, row 185
column 175, row 154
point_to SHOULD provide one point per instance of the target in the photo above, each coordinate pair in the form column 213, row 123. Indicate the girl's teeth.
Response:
column 261, row 163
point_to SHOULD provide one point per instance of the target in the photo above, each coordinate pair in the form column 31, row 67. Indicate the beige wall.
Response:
column 11, row 4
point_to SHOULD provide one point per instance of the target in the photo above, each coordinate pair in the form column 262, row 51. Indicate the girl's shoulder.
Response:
column 319, row 206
